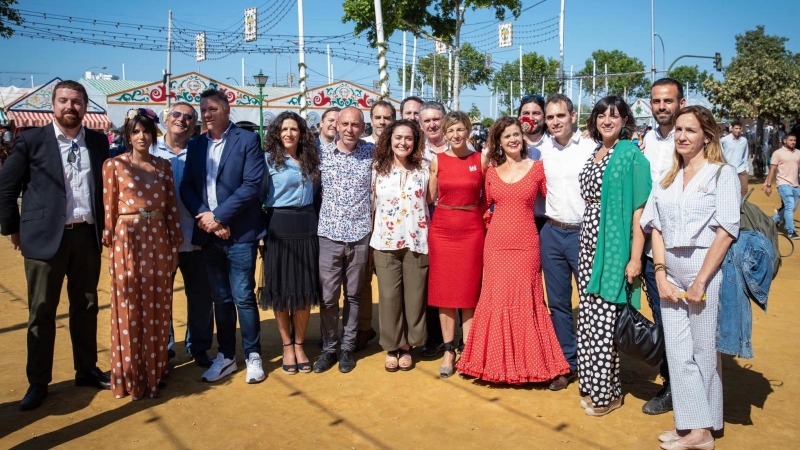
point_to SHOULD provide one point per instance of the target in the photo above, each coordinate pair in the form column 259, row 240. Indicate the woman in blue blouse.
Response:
column 291, row 261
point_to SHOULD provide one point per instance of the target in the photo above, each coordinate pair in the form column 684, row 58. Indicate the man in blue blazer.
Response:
column 221, row 185
column 57, row 168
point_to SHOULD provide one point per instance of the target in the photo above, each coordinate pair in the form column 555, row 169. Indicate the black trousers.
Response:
column 77, row 258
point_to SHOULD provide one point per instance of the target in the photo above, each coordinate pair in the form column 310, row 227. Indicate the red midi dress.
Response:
column 455, row 237
column 512, row 339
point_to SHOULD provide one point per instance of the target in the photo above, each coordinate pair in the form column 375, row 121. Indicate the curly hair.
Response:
column 496, row 154
column 306, row 150
column 383, row 158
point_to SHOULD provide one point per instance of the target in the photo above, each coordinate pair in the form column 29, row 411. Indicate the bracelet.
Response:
column 659, row 266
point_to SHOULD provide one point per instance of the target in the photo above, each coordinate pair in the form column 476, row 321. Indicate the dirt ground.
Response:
column 370, row 408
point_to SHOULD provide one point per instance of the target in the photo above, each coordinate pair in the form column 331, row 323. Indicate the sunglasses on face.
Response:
column 73, row 153
column 183, row 116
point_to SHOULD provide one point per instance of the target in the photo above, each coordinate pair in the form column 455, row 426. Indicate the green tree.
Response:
column 629, row 86
column 474, row 112
column 473, row 71
column 440, row 18
column 534, row 67
column 691, row 78
column 487, row 122
column 8, row 16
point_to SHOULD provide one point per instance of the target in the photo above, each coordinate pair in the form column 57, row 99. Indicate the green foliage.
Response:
column 473, row 71
column 8, row 15
column 762, row 80
column 636, row 85
column 487, row 122
column 534, row 67
column 435, row 18
column 474, row 112
column 692, row 77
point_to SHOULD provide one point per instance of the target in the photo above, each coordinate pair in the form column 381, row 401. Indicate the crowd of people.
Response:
column 456, row 238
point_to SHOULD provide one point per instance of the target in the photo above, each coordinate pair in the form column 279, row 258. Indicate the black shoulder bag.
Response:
column 636, row 336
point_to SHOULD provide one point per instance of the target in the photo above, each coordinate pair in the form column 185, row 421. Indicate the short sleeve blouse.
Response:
column 690, row 217
column 287, row 186
column 401, row 211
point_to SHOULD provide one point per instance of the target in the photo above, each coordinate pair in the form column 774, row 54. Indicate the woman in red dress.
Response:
column 455, row 238
column 512, row 339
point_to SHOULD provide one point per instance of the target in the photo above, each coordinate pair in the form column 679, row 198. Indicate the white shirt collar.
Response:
column 60, row 134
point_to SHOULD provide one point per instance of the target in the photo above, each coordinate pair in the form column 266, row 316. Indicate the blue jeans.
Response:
column 654, row 300
column 199, row 305
column 559, row 254
column 231, row 274
column 789, row 195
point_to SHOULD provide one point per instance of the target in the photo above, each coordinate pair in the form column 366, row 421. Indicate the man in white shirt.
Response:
column 409, row 108
column 180, row 123
column 560, row 236
column 531, row 108
column 382, row 114
column 734, row 147
column 666, row 99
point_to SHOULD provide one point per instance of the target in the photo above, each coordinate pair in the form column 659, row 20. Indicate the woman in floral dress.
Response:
column 142, row 233
column 400, row 239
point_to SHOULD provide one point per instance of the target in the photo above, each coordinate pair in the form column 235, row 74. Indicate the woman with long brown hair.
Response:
column 291, row 283
column 400, row 240
column 693, row 215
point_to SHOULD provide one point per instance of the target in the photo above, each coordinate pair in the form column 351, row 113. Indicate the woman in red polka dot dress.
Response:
column 142, row 234
column 512, row 340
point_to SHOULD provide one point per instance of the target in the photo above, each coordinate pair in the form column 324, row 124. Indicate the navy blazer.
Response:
column 35, row 168
column 239, row 181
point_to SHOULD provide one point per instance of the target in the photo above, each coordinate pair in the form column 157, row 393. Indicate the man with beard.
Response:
column 181, row 122
column 382, row 114
column 58, row 170
column 327, row 127
column 531, row 112
column 409, row 108
column 666, row 99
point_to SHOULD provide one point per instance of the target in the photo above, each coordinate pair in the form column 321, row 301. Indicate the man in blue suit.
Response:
column 221, row 185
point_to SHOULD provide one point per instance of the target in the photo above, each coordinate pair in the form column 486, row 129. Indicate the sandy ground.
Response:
column 370, row 408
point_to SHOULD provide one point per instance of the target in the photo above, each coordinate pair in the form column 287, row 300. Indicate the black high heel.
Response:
column 287, row 368
column 448, row 371
column 304, row 367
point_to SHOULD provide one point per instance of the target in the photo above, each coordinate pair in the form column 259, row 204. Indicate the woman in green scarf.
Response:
column 615, row 184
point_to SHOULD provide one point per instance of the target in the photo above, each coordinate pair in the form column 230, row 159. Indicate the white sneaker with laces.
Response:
column 255, row 371
column 220, row 368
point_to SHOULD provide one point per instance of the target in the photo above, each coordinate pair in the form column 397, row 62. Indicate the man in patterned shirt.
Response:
column 344, row 230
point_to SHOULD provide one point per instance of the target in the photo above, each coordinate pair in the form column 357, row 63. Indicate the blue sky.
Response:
column 686, row 26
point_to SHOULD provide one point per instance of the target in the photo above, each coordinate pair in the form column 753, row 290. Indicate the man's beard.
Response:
column 69, row 119
column 668, row 121
column 539, row 129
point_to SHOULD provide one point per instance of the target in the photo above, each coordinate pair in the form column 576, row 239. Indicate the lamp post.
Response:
column 261, row 81
column 89, row 69
column 232, row 79
column 663, row 53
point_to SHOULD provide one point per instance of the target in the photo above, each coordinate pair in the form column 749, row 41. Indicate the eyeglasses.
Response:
column 73, row 153
column 530, row 97
column 180, row 115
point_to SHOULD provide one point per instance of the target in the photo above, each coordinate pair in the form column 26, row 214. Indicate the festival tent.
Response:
column 35, row 109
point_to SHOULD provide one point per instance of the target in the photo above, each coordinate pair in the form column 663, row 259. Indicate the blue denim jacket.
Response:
column 747, row 274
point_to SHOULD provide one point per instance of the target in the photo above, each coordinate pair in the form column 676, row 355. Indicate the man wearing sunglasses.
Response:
column 181, row 122
column 57, row 168
column 531, row 113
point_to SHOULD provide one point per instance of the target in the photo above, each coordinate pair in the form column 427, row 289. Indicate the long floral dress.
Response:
column 143, row 254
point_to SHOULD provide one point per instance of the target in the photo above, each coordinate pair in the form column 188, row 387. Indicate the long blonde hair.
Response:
column 712, row 151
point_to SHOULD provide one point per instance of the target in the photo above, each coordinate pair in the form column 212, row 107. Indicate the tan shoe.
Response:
column 668, row 436
column 603, row 410
column 586, row 401
column 675, row 445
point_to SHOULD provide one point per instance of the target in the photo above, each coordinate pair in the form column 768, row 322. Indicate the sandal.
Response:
column 302, row 367
column 391, row 364
column 406, row 362
column 448, row 371
column 289, row 369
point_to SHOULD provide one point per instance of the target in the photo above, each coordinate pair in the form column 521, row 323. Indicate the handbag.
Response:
column 636, row 336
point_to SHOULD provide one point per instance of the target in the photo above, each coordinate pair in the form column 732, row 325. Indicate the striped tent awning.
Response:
column 3, row 118
column 24, row 119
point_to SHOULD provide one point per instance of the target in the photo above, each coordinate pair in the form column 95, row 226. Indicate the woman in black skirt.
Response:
column 291, row 260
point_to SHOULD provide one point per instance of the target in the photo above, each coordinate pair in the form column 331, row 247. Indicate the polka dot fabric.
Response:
column 512, row 339
column 598, row 360
column 142, row 258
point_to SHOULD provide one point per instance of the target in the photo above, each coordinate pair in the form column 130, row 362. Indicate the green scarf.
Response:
column 626, row 186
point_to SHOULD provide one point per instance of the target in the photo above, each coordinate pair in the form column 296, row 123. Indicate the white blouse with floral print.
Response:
column 401, row 210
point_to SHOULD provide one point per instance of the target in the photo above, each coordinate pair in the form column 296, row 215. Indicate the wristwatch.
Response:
column 216, row 219
column 769, row 185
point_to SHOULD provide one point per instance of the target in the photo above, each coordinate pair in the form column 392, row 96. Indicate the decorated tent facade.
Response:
column 35, row 109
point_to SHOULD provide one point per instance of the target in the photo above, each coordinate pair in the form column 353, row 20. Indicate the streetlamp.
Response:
column 261, row 81
column 89, row 70
column 232, row 79
column 663, row 54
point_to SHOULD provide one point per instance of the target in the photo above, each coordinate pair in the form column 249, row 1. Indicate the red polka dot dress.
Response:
column 512, row 340
column 142, row 256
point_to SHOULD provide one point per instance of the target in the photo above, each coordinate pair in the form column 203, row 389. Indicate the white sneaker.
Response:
column 220, row 368
column 255, row 372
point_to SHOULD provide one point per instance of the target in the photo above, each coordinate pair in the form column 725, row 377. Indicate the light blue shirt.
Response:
column 735, row 151
column 286, row 186
column 215, row 149
column 178, row 163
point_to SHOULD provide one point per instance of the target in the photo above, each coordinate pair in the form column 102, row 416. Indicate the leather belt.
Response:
column 71, row 226
column 144, row 215
column 564, row 226
column 460, row 208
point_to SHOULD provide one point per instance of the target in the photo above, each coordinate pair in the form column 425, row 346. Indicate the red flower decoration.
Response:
column 401, row 243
